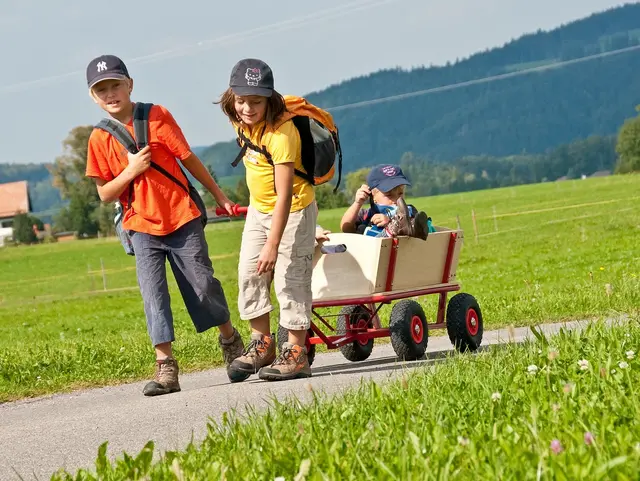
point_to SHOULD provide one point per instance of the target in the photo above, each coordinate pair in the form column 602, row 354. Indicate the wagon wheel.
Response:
column 409, row 333
column 464, row 322
column 359, row 317
column 283, row 336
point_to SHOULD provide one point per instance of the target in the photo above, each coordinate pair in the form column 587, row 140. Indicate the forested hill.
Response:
column 525, row 113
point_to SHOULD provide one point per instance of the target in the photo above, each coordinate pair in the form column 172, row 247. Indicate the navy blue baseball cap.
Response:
column 385, row 177
column 106, row 67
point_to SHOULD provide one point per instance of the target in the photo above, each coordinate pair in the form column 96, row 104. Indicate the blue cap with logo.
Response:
column 386, row 177
column 106, row 67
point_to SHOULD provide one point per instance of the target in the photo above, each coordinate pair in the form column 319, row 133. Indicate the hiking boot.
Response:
column 260, row 352
column 232, row 349
column 420, row 226
column 291, row 364
column 400, row 223
column 165, row 380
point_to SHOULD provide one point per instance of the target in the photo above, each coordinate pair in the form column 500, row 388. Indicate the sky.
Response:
column 182, row 57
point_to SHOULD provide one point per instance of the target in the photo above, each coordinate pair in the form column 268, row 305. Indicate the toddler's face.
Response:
column 388, row 198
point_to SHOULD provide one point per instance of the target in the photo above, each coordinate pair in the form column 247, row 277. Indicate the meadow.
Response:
column 558, row 408
column 71, row 314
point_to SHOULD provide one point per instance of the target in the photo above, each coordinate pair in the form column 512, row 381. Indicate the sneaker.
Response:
column 231, row 350
column 291, row 364
column 400, row 223
column 260, row 352
column 420, row 226
column 165, row 380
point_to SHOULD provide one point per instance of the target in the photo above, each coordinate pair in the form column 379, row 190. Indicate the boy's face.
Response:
column 390, row 197
column 251, row 109
column 113, row 96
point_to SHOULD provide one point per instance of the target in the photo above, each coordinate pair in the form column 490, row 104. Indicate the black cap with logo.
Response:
column 251, row 77
column 106, row 67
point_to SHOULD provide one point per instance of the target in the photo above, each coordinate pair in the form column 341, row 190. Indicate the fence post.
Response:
column 104, row 275
column 495, row 221
column 475, row 225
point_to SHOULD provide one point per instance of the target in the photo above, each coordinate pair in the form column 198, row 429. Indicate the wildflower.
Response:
column 463, row 441
column 623, row 365
column 588, row 438
column 556, row 446
column 122, row 349
column 532, row 369
column 39, row 378
column 613, row 371
column 567, row 388
column 496, row 396
column 279, row 478
column 584, row 364
column 630, row 354
column 601, row 268
column 555, row 407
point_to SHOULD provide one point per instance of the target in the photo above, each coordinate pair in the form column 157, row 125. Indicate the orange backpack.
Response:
column 319, row 139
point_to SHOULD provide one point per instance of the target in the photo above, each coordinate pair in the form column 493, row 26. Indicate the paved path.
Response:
column 39, row 436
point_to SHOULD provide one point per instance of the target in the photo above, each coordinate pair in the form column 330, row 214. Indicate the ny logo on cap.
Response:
column 102, row 66
column 253, row 76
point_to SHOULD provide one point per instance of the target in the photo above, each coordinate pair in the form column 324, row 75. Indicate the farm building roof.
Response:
column 14, row 198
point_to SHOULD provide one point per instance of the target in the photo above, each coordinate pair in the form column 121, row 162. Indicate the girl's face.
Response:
column 251, row 109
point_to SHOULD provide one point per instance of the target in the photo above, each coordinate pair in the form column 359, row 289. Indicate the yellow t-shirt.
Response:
column 284, row 146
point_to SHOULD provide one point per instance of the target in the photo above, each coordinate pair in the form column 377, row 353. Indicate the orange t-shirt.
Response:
column 159, row 206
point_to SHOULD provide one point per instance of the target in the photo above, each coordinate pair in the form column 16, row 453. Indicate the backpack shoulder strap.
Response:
column 245, row 143
column 121, row 134
column 141, row 123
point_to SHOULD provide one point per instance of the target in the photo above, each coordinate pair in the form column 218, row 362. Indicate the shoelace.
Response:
column 253, row 346
column 283, row 357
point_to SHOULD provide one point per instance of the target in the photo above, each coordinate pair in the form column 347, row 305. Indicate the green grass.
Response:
column 559, row 422
column 561, row 251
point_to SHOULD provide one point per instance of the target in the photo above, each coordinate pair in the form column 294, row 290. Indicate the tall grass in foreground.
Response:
column 563, row 408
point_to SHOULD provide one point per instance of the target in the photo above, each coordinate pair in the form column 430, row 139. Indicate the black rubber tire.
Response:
column 404, row 344
column 354, row 351
column 283, row 336
column 459, row 334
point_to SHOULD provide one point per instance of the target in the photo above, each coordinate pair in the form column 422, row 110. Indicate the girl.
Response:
column 279, row 232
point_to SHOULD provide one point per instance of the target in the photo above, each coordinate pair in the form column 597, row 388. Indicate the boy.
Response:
column 162, row 219
column 388, row 215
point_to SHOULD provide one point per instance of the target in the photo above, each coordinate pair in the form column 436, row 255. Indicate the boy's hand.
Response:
column 224, row 202
column 140, row 162
column 380, row 220
column 363, row 194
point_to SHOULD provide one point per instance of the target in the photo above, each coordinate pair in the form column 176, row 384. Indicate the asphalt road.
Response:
column 39, row 436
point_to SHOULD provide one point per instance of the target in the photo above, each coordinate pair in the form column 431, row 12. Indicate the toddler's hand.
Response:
column 363, row 194
column 380, row 220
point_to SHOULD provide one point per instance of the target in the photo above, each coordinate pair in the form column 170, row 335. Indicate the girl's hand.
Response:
column 267, row 259
column 380, row 220
column 321, row 234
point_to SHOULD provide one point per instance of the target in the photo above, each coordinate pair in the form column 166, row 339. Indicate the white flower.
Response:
column 496, row 396
column 122, row 349
column 584, row 364
column 630, row 354
column 279, row 478
column 532, row 369
column 623, row 365
column 463, row 441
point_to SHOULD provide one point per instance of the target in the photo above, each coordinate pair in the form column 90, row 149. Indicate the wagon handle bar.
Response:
column 237, row 210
